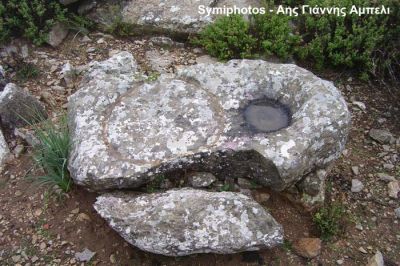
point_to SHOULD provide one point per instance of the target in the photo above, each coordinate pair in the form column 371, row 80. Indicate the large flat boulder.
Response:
column 175, row 17
column 125, row 132
column 187, row 221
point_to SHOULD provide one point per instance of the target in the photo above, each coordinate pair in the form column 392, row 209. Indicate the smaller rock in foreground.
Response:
column 376, row 260
column 188, row 221
column 85, row 256
column 356, row 185
column 381, row 136
column 308, row 247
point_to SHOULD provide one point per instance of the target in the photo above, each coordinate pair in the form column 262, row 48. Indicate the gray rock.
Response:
column 359, row 105
column 388, row 166
column 18, row 150
column 174, row 17
column 85, row 256
column 165, row 42
column 206, row 59
column 4, row 151
column 70, row 73
column 194, row 121
column 385, row 177
column 244, row 183
column 397, row 213
column 159, row 62
column 313, row 183
column 57, row 34
column 356, row 185
column 187, row 221
column 381, row 136
column 201, row 179
column 393, row 189
column 376, row 260
column 3, row 79
column 17, row 107
column 355, row 170
column 27, row 135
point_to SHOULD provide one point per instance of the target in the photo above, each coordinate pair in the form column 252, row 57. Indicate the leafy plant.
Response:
column 51, row 153
column 33, row 19
column 329, row 220
column 30, row 19
column 369, row 44
column 275, row 35
column 287, row 245
column 226, row 187
column 155, row 184
column 79, row 24
column 227, row 38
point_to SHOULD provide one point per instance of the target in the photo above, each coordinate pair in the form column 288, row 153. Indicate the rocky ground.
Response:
column 40, row 226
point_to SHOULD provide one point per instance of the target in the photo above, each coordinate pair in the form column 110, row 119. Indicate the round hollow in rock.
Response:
column 267, row 115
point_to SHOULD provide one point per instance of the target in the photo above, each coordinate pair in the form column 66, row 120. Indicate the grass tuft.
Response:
column 51, row 153
column 27, row 71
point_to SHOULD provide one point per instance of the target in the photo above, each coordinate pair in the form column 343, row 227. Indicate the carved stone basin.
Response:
column 274, row 123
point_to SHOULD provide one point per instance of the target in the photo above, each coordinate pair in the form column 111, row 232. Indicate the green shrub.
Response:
column 234, row 37
column 79, row 24
column 227, row 38
column 51, row 153
column 31, row 19
column 329, row 220
column 367, row 43
column 274, row 35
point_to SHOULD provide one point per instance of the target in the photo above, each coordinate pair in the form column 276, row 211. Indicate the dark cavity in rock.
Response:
column 267, row 115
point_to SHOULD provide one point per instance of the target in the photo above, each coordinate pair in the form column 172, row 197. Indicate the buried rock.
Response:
column 188, row 221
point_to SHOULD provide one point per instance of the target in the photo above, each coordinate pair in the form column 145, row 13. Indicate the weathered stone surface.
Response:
column 175, row 17
column 376, row 260
column 308, row 247
column 393, row 189
column 382, row 136
column 356, row 186
column 188, row 221
column 57, row 34
column 159, row 62
column 3, row 79
column 17, row 107
column 201, row 179
column 123, row 132
column 4, row 151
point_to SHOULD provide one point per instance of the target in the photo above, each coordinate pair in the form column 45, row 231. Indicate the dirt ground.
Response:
column 41, row 227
